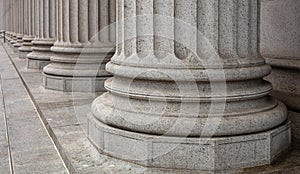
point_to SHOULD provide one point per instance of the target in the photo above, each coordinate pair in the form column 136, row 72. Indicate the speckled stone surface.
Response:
column 202, row 79
column 211, row 154
column 59, row 114
column 85, row 44
column 25, row 144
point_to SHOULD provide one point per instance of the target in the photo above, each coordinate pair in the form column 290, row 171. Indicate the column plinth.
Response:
column 188, row 90
column 45, row 29
column 19, row 43
column 80, row 52
column 13, row 39
column 26, row 46
column 8, row 37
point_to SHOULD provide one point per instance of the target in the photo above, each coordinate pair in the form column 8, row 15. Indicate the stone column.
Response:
column 20, row 28
column 280, row 45
column 2, row 16
column 14, row 24
column 182, row 99
column 9, row 20
column 6, row 18
column 80, row 52
column 45, row 21
column 3, row 27
column 28, row 29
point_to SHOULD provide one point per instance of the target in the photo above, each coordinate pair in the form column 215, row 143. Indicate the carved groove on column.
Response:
column 79, row 22
column 234, row 37
column 45, row 28
column 27, row 44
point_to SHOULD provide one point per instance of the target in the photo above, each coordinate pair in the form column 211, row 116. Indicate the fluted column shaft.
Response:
column 80, row 50
column 45, row 26
column 20, row 26
column 29, row 30
column 3, row 16
column 15, row 19
column 3, row 13
column 6, row 20
column 186, row 69
column 9, row 20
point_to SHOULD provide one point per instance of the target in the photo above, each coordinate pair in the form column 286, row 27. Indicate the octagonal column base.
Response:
column 12, row 42
column 23, row 54
column 199, row 154
column 16, row 47
column 37, row 64
column 74, row 84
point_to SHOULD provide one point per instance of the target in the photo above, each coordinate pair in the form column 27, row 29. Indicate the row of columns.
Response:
column 187, row 90
column 61, row 37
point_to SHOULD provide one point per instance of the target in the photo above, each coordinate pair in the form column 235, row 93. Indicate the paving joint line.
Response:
column 6, row 130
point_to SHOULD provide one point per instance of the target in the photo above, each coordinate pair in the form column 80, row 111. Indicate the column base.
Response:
column 74, row 84
column 23, row 54
column 16, row 48
column 12, row 42
column 200, row 154
column 37, row 64
column 285, row 80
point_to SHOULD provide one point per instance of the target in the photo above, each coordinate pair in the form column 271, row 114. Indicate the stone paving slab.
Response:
column 4, row 151
column 66, row 125
column 31, row 148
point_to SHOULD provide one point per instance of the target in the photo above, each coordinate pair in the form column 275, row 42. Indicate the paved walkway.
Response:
column 33, row 112
column 42, row 131
column 25, row 146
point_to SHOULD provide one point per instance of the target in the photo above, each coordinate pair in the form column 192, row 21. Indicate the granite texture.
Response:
column 67, row 126
column 203, row 79
column 28, row 148
column 206, row 154
column 85, row 44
